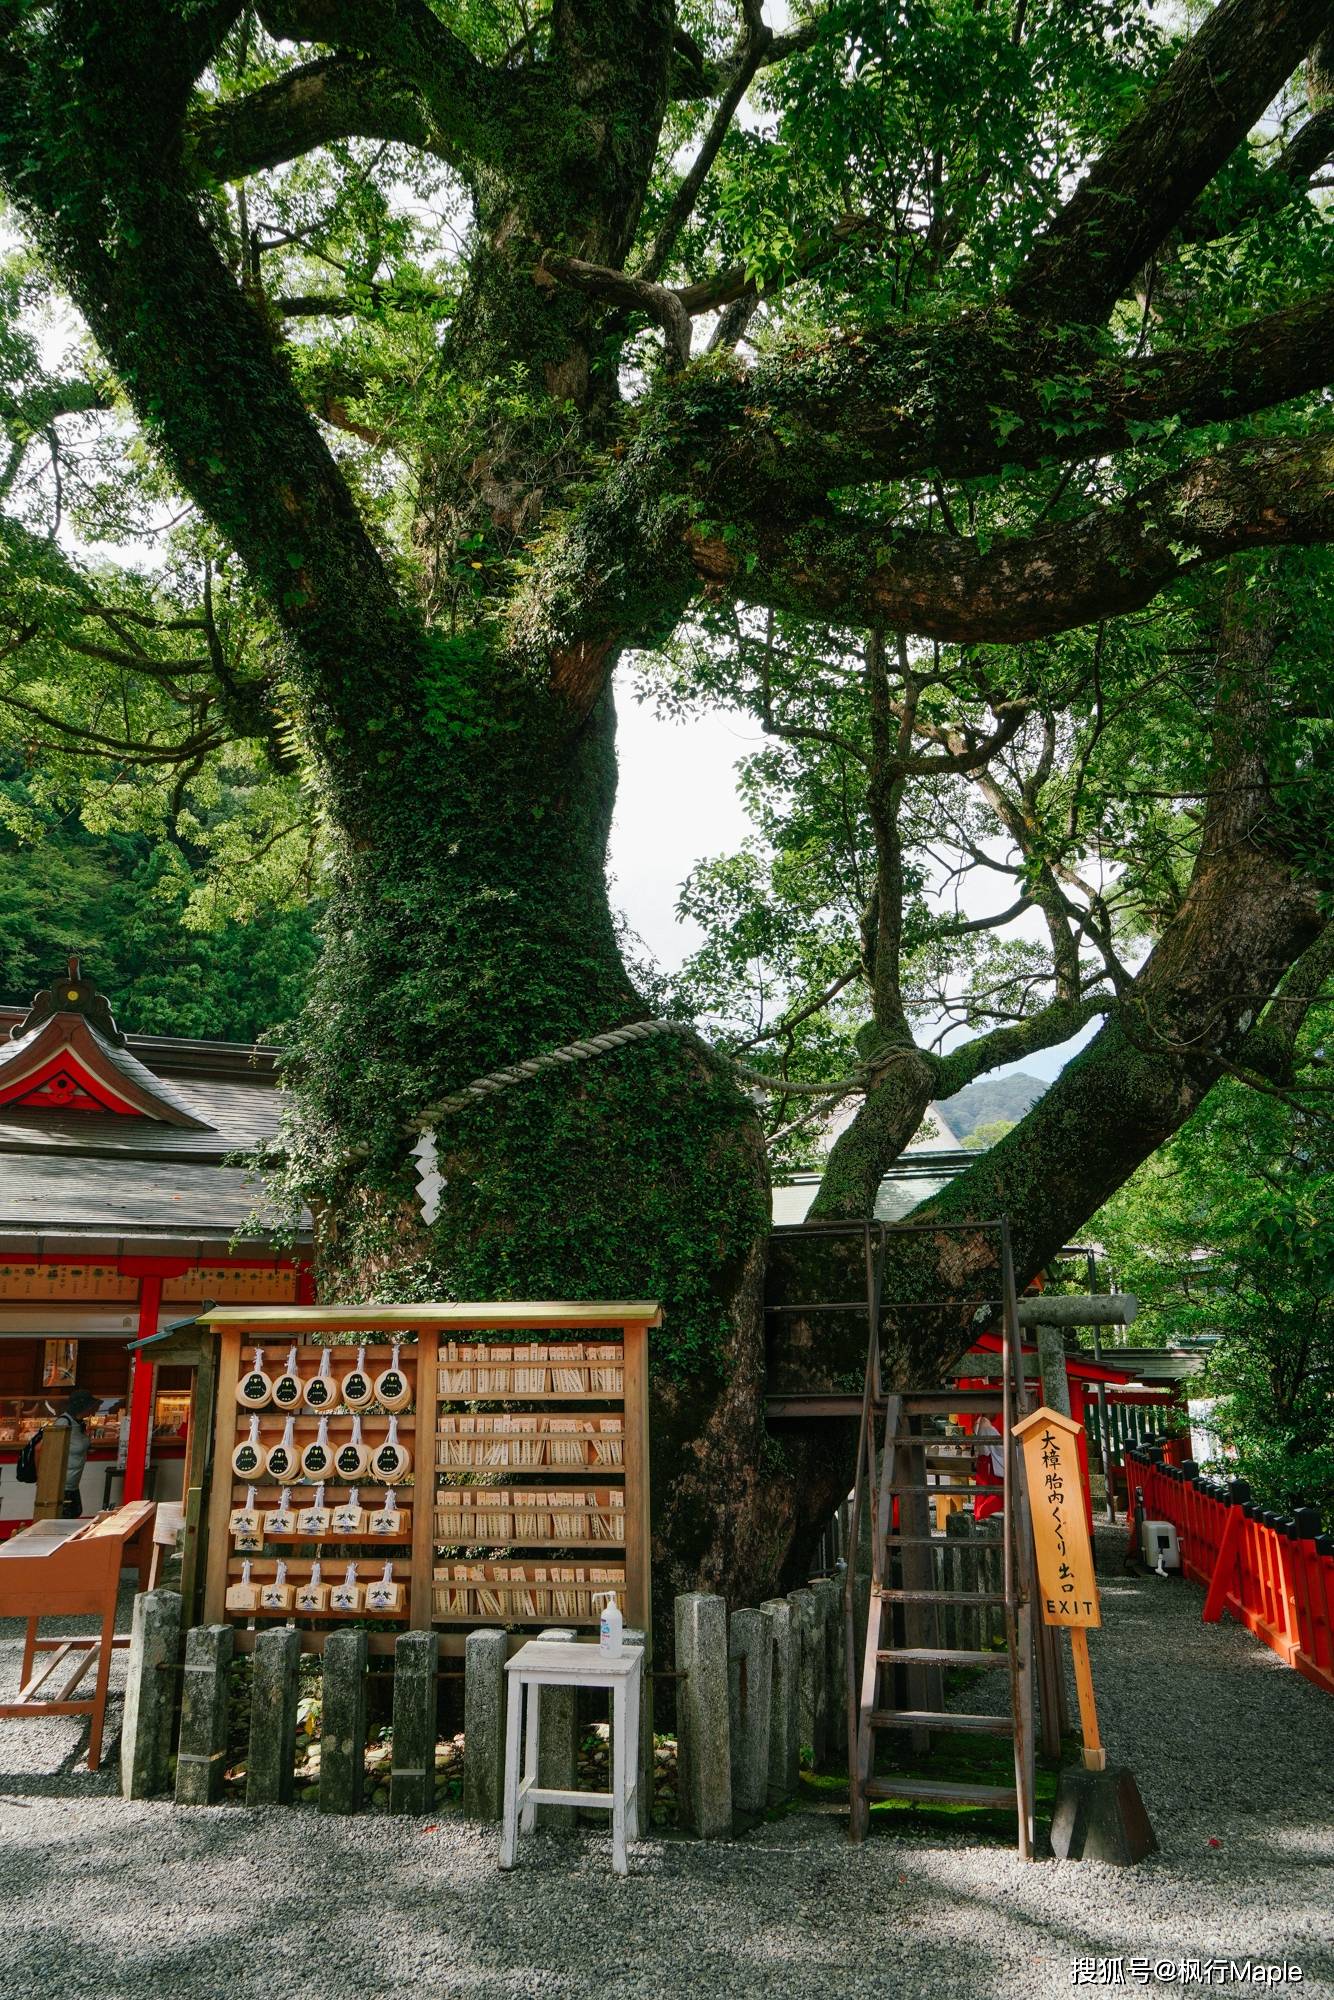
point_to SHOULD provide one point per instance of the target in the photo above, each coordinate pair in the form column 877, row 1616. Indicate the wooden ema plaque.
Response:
column 528, row 1495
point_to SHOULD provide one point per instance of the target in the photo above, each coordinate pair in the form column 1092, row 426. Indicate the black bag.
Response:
column 26, row 1469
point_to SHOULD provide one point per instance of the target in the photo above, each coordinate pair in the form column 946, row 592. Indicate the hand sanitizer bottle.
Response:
column 610, row 1626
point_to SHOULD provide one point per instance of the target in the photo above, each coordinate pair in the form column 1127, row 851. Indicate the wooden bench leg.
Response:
column 29, row 1651
column 100, row 1695
column 509, row 1834
column 532, row 1752
column 619, row 1732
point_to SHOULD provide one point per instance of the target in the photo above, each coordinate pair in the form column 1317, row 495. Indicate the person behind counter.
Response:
column 78, row 1404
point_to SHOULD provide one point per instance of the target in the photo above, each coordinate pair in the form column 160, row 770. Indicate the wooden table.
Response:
column 556, row 1663
column 72, row 1568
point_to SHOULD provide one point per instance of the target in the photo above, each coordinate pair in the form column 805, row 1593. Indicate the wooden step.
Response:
column 935, row 1791
column 940, row 1402
column 896, row 1596
column 945, row 1656
column 927, row 1718
column 898, row 1541
column 954, row 1486
column 795, row 1409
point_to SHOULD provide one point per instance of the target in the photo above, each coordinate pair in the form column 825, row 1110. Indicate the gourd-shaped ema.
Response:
column 277, row 1595
column 254, row 1391
column 390, row 1460
column 351, row 1459
column 248, row 1458
column 287, row 1390
column 317, row 1458
column 346, row 1519
column 391, row 1385
column 346, row 1596
column 320, row 1391
column 384, row 1594
column 312, row 1595
column 243, row 1595
column 358, row 1389
column 314, row 1520
column 284, row 1460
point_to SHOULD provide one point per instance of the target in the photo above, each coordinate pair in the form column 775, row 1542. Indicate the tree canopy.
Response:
column 944, row 384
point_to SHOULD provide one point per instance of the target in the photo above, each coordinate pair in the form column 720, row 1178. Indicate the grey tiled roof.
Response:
column 127, row 1197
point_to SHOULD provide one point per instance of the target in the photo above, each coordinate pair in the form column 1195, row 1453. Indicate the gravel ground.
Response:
column 1234, row 1756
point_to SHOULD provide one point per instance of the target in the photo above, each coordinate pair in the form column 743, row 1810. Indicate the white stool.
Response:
column 547, row 1663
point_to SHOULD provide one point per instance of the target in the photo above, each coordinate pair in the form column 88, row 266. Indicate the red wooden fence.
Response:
column 1273, row 1572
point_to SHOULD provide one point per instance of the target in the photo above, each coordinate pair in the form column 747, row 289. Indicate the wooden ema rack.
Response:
column 529, row 1490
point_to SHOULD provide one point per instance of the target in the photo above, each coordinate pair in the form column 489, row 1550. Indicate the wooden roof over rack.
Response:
column 485, row 1313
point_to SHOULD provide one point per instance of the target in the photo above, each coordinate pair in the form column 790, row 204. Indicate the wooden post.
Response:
column 638, row 1607
column 199, row 1457
column 220, row 1486
column 52, row 1459
column 421, row 1574
column 1095, row 1757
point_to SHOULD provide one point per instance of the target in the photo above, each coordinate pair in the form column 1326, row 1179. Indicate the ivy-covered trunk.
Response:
column 473, row 929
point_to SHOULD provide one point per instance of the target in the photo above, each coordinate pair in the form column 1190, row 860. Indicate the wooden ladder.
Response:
column 893, row 1462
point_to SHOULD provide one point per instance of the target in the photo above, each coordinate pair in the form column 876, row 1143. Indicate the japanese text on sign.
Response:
column 1067, row 1588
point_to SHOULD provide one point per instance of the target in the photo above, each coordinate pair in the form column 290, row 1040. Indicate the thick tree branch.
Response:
column 1116, row 559
column 1046, row 1029
column 335, row 97
column 1164, row 157
column 463, row 95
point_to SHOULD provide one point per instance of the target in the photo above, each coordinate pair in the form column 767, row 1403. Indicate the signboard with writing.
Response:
column 1067, row 1587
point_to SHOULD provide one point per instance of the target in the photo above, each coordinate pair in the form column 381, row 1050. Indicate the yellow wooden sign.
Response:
column 1067, row 1586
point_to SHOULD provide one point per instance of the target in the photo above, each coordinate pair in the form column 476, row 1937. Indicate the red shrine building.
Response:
column 121, row 1211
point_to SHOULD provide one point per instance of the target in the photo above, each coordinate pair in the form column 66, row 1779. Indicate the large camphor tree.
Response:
column 945, row 382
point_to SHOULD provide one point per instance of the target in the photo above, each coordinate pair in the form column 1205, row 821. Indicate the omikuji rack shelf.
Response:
column 529, row 1433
